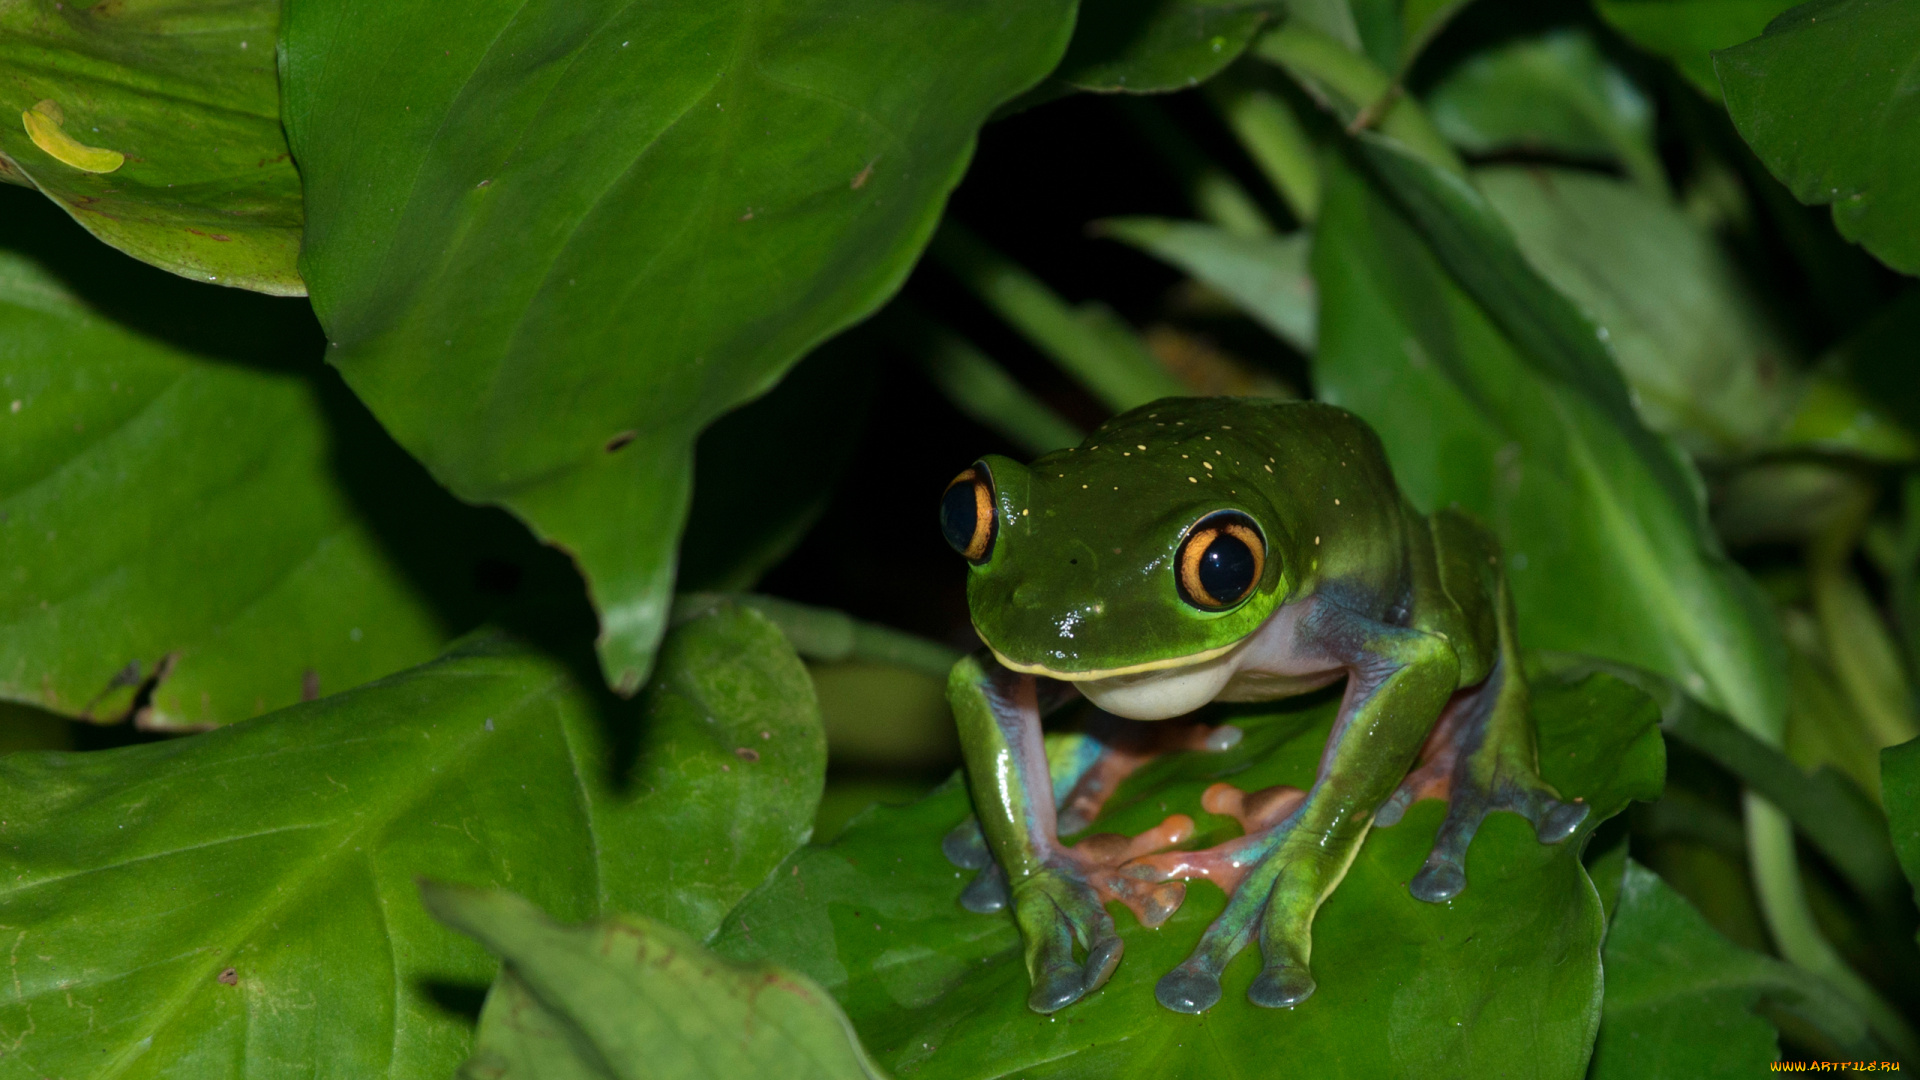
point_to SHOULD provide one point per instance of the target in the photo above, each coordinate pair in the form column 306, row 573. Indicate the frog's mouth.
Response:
column 1166, row 663
column 1157, row 690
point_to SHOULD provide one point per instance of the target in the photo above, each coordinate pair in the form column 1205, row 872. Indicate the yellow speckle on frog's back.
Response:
column 43, row 123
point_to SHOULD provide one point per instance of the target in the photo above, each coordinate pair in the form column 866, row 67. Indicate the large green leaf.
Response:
column 1692, row 339
column 1900, row 788
column 1688, row 31
column 241, row 903
column 1825, row 97
column 1504, row 980
column 1153, row 46
column 234, row 523
column 1492, row 391
column 186, row 92
column 628, row 997
column 552, row 241
column 1680, row 997
column 1553, row 94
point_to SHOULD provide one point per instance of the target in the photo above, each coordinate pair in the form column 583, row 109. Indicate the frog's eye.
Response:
column 966, row 514
column 1221, row 560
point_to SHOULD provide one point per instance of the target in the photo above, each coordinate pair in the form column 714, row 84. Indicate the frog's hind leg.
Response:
column 1481, row 757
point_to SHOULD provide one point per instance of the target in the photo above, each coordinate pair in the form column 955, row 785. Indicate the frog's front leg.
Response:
column 1398, row 682
column 1482, row 757
column 1058, row 892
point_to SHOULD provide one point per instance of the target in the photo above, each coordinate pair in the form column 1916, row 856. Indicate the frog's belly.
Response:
column 1272, row 662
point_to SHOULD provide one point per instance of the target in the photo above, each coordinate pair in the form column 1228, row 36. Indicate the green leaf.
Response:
column 1154, row 46
column 241, row 903
column 1266, row 275
column 1553, row 94
column 187, row 92
column 1680, row 997
column 628, row 997
column 552, row 243
column 1492, row 391
column 1505, row 980
column 1900, row 788
column 1846, row 141
column 1687, row 32
column 234, row 526
column 1692, row 339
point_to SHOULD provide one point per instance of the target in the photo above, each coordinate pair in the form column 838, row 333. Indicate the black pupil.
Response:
column 1226, row 568
column 959, row 516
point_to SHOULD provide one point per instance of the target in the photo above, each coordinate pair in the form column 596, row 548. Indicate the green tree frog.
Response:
column 1225, row 549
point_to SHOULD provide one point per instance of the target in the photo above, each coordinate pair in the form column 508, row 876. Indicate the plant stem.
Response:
column 1355, row 90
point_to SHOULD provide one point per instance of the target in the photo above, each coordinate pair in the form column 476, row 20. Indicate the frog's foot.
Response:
column 1480, row 758
column 1099, row 861
column 1057, row 910
column 1248, row 869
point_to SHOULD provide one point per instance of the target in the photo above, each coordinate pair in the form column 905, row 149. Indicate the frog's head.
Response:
column 1150, row 546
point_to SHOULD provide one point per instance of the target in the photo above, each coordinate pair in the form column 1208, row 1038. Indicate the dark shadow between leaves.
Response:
column 457, row 999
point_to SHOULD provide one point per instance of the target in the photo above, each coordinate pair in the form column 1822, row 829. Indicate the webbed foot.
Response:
column 1057, row 911
column 1480, row 758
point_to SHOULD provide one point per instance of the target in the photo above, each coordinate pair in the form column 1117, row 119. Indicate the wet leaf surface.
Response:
column 187, row 93
column 242, row 903
column 1504, row 980
column 551, row 243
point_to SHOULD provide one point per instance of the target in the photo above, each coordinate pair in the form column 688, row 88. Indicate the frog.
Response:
column 1200, row 550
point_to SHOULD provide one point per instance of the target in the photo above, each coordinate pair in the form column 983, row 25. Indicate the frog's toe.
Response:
column 965, row 847
column 987, row 892
column 1281, row 986
column 1440, row 880
column 1188, row 989
column 1561, row 821
column 1056, row 911
column 1444, row 876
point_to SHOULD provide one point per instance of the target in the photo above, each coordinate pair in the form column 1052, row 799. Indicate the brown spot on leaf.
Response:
column 621, row 440
column 745, row 753
column 230, row 977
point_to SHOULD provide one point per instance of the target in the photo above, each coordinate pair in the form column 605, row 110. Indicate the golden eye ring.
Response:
column 967, row 519
column 1221, row 560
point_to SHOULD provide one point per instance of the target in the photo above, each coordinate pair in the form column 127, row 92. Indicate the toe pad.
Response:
column 1187, row 991
column 1281, row 987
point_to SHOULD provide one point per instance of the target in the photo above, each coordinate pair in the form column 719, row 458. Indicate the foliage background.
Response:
column 500, row 450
